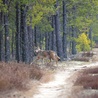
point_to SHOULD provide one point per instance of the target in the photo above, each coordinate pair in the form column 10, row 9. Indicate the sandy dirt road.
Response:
column 62, row 85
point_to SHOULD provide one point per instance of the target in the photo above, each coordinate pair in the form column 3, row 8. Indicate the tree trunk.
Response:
column 12, row 46
column 25, row 37
column 36, row 36
column 74, row 32
column 7, row 38
column 18, row 35
column 54, row 48
column 64, row 30
column 58, row 33
column 2, row 53
column 73, row 42
column 91, row 37
column 50, row 40
column 31, row 43
column 46, row 41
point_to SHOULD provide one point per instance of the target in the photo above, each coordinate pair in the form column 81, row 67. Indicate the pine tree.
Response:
column 7, row 38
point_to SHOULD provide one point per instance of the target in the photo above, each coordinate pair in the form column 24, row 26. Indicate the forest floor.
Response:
column 70, row 79
column 63, row 84
column 73, row 79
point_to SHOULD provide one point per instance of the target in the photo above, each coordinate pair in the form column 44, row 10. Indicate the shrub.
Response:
column 17, row 76
column 83, row 43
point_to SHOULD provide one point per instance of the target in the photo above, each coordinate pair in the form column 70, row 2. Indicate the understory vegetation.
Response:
column 87, row 83
column 17, row 76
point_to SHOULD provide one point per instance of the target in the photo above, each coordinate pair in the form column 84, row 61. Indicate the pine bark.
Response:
column 25, row 37
column 58, row 33
column 73, row 42
column 18, row 34
column 46, row 41
column 2, row 52
column 64, row 30
column 7, row 38
column 91, row 37
column 31, row 43
column 54, row 48
column 74, row 32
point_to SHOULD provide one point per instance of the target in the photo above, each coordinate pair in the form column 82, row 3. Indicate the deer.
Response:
column 46, row 54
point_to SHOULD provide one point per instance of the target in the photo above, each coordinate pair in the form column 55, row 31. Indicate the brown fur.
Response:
column 51, row 55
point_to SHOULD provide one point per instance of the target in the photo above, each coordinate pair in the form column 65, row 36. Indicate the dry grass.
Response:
column 17, row 76
column 87, row 56
column 87, row 82
column 18, row 80
column 93, row 70
column 86, row 59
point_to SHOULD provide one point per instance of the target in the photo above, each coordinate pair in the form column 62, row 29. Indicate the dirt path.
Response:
column 61, row 87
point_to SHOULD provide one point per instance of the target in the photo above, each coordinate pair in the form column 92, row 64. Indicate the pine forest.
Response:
column 58, row 25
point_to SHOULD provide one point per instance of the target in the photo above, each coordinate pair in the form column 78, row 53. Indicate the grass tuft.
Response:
column 17, row 76
column 87, row 82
